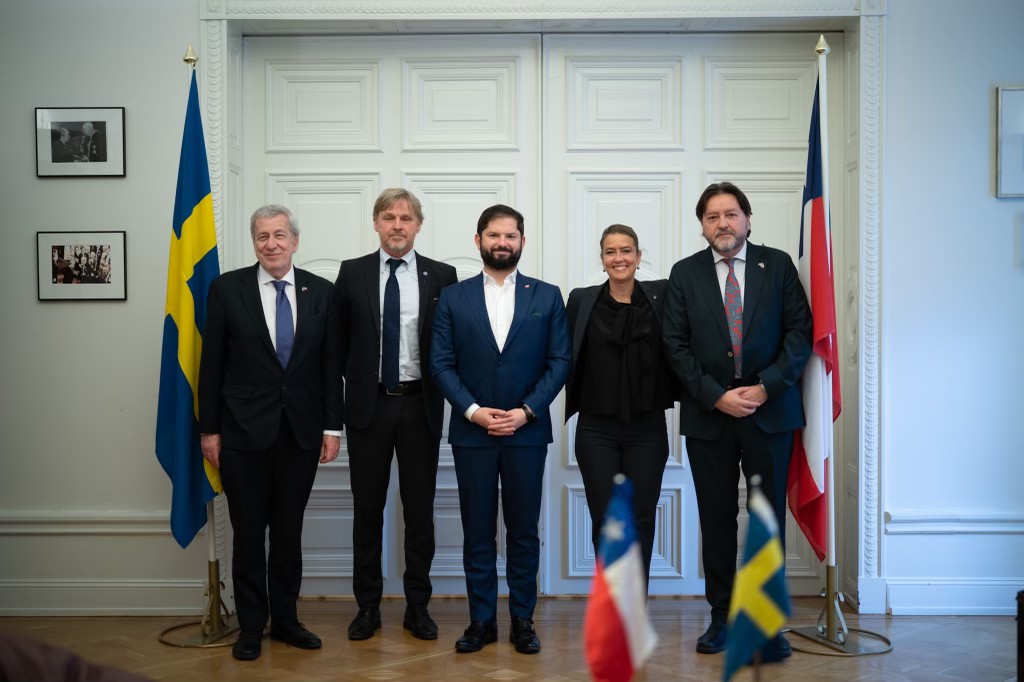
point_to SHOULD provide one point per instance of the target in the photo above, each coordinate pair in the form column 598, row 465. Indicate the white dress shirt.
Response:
column 500, row 300
column 739, row 267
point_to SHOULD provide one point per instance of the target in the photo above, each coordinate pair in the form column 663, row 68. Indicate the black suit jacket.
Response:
column 242, row 387
column 578, row 309
column 777, row 329
column 357, row 294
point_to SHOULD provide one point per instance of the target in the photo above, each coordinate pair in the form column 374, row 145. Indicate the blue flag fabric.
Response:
column 192, row 267
column 760, row 601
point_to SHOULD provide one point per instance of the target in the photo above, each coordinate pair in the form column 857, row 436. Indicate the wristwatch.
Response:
column 531, row 416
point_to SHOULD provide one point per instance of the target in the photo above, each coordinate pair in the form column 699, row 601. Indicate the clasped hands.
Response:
column 742, row 401
column 499, row 422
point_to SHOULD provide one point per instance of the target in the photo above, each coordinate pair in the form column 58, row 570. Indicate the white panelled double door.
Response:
column 576, row 132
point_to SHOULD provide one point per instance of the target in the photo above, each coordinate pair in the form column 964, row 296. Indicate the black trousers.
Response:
column 639, row 449
column 268, row 489
column 716, row 468
column 399, row 426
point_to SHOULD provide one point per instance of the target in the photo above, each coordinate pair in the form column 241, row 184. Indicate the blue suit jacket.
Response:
column 468, row 367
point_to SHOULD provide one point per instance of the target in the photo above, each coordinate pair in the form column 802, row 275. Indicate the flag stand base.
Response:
column 832, row 633
column 217, row 622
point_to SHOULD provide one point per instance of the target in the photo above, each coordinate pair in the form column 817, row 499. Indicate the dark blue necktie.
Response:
column 285, row 330
column 390, row 328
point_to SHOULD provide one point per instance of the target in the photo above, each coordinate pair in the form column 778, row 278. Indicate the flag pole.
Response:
column 834, row 614
column 217, row 622
column 831, row 629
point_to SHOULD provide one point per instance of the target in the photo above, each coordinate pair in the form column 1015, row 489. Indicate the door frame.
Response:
column 225, row 22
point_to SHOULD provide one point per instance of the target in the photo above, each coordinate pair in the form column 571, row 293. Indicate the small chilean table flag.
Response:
column 617, row 634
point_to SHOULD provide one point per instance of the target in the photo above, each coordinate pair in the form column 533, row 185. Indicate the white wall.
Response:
column 952, row 315
column 83, row 501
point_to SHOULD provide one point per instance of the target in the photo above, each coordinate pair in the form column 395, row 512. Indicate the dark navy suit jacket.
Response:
column 532, row 367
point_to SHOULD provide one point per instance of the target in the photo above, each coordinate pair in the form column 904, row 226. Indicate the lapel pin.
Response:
column 526, row 286
column 424, row 273
column 304, row 289
column 761, row 265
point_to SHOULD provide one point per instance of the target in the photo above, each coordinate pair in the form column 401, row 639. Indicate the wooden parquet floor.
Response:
column 925, row 649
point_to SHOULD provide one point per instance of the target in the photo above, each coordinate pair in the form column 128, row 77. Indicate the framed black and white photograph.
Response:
column 1010, row 141
column 79, row 142
column 81, row 266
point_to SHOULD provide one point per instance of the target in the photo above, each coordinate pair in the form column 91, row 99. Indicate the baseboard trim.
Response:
column 20, row 597
column 954, row 596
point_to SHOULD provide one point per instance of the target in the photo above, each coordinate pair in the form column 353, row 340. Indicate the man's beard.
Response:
column 508, row 262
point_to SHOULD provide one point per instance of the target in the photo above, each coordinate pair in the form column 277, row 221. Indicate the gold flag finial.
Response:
column 821, row 48
column 190, row 56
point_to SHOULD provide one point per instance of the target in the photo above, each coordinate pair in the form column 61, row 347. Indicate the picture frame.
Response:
column 1010, row 141
column 100, row 272
column 76, row 142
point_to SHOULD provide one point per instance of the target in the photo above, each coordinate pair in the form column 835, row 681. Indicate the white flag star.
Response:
column 614, row 530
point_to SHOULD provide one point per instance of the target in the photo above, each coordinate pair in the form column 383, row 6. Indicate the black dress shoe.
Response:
column 524, row 636
column 418, row 621
column 776, row 649
column 293, row 634
column 476, row 636
column 366, row 622
column 713, row 639
column 247, row 648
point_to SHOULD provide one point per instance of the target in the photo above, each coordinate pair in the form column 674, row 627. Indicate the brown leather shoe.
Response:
column 524, row 636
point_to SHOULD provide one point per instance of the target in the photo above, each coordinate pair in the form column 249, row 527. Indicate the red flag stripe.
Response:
column 821, row 391
column 604, row 635
column 822, row 297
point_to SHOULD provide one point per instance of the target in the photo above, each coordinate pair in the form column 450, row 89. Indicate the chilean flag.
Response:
column 822, row 400
column 617, row 635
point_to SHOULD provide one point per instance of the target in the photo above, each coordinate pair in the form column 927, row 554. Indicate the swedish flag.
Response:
column 192, row 266
column 760, row 602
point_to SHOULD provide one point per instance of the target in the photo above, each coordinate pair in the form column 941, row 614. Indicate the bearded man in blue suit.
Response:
column 501, row 353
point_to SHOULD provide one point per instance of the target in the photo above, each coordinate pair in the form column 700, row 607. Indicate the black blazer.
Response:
column 242, row 387
column 777, row 329
column 357, row 295
column 578, row 309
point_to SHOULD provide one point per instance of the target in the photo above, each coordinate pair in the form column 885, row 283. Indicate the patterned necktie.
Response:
column 390, row 327
column 284, row 324
column 734, row 315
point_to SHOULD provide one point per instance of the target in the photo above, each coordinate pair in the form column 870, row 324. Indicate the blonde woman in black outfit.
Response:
column 621, row 384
